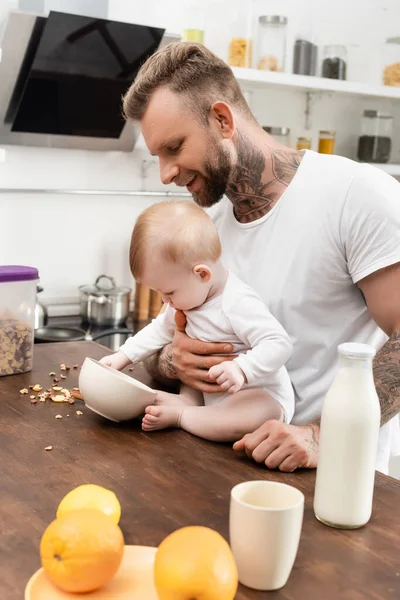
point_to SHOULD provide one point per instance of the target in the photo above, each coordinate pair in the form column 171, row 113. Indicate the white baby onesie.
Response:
column 238, row 316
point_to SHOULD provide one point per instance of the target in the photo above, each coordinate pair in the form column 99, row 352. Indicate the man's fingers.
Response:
column 199, row 347
column 180, row 321
column 276, row 457
column 289, row 465
column 261, row 452
column 239, row 445
column 252, row 440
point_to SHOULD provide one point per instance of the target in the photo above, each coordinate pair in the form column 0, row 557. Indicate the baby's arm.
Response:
column 255, row 326
column 147, row 341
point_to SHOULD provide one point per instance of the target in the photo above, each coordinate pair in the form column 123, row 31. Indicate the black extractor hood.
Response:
column 72, row 73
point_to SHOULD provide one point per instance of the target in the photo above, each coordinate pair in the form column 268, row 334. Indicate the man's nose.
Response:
column 168, row 172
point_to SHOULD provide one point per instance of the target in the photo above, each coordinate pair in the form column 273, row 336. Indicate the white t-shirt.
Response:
column 237, row 316
column 337, row 222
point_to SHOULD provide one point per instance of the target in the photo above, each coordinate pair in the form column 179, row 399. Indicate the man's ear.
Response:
column 222, row 119
column 203, row 272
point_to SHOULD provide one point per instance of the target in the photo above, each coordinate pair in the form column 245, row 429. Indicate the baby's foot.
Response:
column 167, row 399
column 161, row 417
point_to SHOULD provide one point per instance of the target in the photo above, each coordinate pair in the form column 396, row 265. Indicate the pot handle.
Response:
column 110, row 279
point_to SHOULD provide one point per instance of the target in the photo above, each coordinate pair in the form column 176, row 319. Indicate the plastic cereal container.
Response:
column 17, row 314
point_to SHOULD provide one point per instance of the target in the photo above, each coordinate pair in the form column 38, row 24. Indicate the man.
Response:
column 317, row 236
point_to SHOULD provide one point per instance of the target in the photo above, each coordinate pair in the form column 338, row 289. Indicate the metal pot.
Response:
column 104, row 304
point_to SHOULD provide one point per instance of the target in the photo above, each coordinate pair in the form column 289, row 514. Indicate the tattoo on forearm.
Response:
column 254, row 189
column 313, row 442
column 387, row 377
column 166, row 365
column 160, row 367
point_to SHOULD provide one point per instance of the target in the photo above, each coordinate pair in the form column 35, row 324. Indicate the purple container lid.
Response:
column 17, row 273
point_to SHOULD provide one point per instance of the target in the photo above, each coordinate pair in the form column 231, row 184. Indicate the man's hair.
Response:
column 179, row 231
column 190, row 70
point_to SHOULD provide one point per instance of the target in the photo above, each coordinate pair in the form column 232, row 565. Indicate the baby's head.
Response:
column 175, row 250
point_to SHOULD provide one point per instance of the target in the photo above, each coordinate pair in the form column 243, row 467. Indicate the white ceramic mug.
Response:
column 265, row 524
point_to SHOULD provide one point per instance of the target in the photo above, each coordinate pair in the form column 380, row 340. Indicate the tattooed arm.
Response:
column 160, row 367
column 382, row 295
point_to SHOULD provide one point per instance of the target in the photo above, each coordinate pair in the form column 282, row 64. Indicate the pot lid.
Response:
column 105, row 286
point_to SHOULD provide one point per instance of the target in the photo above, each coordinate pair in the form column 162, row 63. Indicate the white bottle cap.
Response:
column 355, row 350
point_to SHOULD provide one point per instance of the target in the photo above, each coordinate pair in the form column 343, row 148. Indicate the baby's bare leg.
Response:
column 237, row 415
column 187, row 397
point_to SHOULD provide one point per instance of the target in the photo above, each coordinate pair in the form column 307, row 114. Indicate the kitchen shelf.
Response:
column 256, row 78
column 390, row 169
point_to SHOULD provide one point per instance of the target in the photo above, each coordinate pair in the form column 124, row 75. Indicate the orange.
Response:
column 195, row 563
column 82, row 550
column 91, row 496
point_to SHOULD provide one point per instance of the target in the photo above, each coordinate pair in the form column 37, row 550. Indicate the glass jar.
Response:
column 271, row 43
column 391, row 53
column 193, row 35
column 240, row 47
column 334, row 63
column 375, row 142
column 280, row 134
column 326, row 144
column 304, row 143
column 194, row 22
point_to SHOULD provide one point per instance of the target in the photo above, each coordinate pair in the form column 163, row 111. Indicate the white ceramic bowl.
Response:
column 112, row 394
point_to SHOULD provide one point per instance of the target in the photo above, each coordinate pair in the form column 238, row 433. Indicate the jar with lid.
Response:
column 391, row 54
column 304, row 143
column 271, row 42
column 304, row 57
column 241, row 46
column 334, row 62
column 17, row 318
column 326, row 144
column 194, row 22
column 375, row 142
column 280, row 134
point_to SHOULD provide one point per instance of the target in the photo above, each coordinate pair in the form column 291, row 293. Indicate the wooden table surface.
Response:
column 164, row 480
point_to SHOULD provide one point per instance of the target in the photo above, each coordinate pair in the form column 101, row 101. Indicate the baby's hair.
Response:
column 179, row 230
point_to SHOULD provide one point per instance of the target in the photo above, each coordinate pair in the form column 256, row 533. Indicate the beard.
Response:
column 217, row 170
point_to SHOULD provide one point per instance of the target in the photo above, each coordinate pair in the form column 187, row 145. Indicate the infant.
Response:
column 175, row 250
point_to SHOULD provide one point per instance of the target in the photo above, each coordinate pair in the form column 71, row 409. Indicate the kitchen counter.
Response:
column 164, row 480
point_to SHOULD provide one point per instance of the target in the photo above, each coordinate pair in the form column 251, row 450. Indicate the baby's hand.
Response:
column 228, row 375
column 118, row 361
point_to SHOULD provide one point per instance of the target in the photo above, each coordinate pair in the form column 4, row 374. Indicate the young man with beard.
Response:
column 317, row 237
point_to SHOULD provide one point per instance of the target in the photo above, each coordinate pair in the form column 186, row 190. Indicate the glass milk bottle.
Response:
column 348, row 443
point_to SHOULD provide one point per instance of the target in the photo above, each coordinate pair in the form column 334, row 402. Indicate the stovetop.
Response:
column 113, row 341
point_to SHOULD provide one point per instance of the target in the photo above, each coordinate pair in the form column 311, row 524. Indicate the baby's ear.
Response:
column 202, row 271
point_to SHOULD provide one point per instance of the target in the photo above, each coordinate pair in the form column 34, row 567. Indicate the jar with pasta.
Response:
column 391, row 71
column 241, row 45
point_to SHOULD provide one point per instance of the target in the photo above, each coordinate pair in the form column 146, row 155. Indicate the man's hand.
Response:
column 277, row 445
column 118, row 361
column 228, row 375
column 192, row 359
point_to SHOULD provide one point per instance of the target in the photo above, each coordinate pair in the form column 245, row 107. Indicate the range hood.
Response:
column 62, row 78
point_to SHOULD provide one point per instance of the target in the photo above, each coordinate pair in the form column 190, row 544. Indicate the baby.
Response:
column 175, row 249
